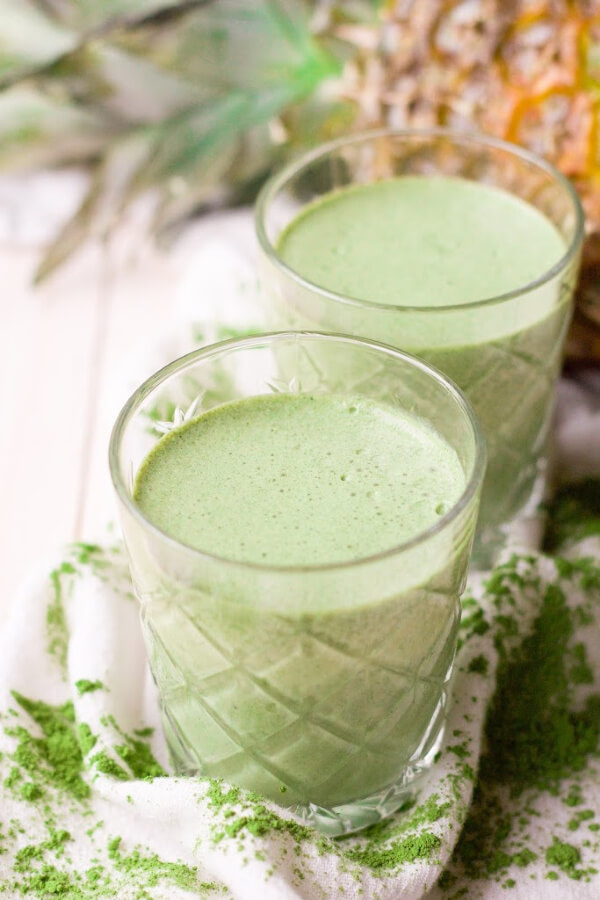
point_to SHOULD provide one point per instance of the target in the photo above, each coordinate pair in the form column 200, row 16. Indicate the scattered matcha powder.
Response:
column 139, row 758
column 61, row 579
column 574, row 514
column 46, row 769
column 153, row 868
column 87, row 740
column 574, row 797
column 55, row 758
column 254, row 817
column 411, row 848
column 479, row 664
column 84, row 686
column 56, row 620
column 106, row 765
column 566, row 857
column 136, row 753
column 535, row 737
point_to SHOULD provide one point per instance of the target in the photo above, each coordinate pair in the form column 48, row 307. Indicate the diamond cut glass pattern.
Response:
column 504, row 352
column 321, row 687
column 327, row 702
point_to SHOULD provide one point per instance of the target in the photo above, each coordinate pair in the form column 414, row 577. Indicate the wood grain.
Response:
column 49, row 342
column 66, row 350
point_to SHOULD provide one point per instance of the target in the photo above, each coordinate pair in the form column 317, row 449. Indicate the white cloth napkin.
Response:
column 89, row 807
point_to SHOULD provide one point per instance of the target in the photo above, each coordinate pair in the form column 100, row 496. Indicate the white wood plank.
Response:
column 48, row 343
column 140, row 309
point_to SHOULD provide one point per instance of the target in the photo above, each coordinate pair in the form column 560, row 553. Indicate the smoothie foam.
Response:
column 421, row 241
column 299, row 480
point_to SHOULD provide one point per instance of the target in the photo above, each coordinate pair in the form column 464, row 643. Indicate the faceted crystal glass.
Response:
column 323, row 687
column 503, row 351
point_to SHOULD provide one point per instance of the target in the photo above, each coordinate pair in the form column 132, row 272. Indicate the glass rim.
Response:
column 284, row 175
column 134, row 402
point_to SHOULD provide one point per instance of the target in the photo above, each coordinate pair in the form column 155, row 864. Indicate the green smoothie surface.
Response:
column 421, row 241
column 299, row 479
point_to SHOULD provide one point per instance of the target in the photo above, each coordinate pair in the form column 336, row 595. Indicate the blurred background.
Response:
column 127, row 127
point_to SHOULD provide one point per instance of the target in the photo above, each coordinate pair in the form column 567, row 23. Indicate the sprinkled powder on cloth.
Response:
column 46, row 769
column 538, row 737
column 541, row 735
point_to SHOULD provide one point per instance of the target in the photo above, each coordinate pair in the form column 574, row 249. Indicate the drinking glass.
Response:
column 504, row 351
column 322, row 687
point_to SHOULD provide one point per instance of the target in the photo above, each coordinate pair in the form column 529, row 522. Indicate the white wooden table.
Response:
column 64, row 349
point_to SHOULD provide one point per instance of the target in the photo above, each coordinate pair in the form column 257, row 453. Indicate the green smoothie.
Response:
column 292, row 480
column 422, row 251
column 416, row 241
column 320, row 687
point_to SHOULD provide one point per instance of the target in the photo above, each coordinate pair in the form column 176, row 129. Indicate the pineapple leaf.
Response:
column 205, row 131
column 109, row 192
column 91, row 16
column 28, row 39
column 38, row 129
column 245, row 166
column 176, row 97
column 128, row 89
column 197, row 146
column 230, row 44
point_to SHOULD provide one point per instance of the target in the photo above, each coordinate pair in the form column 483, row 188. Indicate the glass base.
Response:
column 360, row 813
column 352, row 817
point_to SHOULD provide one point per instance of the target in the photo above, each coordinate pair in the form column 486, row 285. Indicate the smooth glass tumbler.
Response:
column 323, row 687
column 503, row 351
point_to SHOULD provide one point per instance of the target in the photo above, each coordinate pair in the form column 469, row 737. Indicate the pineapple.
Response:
column 199, row 99
column 179, row 97
column 527, row 71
